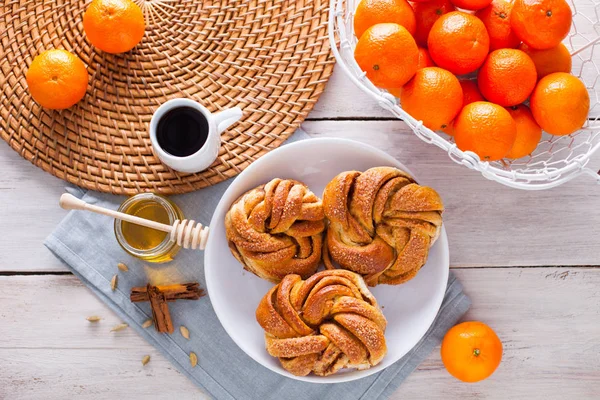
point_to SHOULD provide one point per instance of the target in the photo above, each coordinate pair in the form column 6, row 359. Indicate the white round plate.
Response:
column 409, row 308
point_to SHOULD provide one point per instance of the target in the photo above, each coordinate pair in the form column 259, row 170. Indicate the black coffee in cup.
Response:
column 182, row 131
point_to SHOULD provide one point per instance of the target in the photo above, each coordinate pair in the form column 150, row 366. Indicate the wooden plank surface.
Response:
column 488, row 224
column 48, row 350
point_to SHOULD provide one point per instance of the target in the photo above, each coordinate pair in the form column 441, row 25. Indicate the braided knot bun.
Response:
column 277, row 229
column 381, row 224
column 327, row 322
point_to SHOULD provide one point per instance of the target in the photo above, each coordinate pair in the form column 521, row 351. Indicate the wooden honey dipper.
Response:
column 186, row 233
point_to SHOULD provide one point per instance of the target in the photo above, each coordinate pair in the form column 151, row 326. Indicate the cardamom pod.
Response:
column 184, row 332
column 119, row 327
column 193, row 359
column 147, row 324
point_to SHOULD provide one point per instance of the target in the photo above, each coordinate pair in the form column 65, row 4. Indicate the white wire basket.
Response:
column 557, row 159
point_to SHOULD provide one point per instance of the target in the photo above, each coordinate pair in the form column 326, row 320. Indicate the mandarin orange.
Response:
column 486, row 129
column 458, row 42
column 114, row 26
column 529, row 132
column 555, row 59
column 57, row 79
column 388, row 54
column 433, row 96
column 560, row 103
column 507, row 77
column 371, row 12
column 426, row 14
column 496, row 18
column 541, row 24
column 471, row 351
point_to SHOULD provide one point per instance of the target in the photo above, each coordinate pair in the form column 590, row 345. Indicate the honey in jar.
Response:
column 146, row 243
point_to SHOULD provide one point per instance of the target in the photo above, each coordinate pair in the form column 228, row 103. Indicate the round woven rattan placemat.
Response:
column 269, row 57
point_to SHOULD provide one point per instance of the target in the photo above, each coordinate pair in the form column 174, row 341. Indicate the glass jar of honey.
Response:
column 146, row 243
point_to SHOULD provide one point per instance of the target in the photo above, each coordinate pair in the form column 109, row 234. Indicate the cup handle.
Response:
column 226, row 118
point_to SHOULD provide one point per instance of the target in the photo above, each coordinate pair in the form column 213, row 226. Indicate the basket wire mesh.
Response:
column 556, row 160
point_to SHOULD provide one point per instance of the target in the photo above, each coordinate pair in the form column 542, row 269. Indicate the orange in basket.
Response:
column 57, row 79
column 471, row 351
column 114, row 26
column 529, row 132
column 486, row 129
column 426, row 14
column 555, row 59
column 507, row 77
column 496, row 18
column 541, row 24
column 388, row 54
column 560, row 103
column 458, row 42
column 371, row 12
column 434, row 96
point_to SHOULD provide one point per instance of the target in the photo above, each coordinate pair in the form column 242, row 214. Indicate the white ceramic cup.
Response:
column 208, row 153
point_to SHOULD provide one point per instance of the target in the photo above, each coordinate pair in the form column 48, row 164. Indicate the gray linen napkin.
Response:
column 87, row 244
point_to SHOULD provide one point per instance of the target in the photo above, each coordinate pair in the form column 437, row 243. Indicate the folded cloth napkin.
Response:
column 87, row 244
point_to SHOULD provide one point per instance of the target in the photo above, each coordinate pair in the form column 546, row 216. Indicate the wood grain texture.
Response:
column 488, row 224
column 27, row 194
column 547, row 319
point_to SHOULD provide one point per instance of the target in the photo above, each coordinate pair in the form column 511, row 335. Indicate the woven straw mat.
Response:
column 269, row 57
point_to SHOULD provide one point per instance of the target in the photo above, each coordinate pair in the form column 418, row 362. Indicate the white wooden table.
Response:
column 528, row 260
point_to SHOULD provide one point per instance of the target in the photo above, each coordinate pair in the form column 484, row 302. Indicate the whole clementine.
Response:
column 555, row 59
column 529, row 132
column 496, row 18
column 458, row 42
column 541, row 24
column 486, row 129
column 560, row 103
column 471, row 351
column 114, row 26
column 388, row 54
column 433, row 96
column 57, row 79
column 426, row 14
column 371, row 12
column 471, row 4
column 507, row 77
column 424, row 59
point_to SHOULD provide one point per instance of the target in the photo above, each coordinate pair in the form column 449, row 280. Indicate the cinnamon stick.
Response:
column 181, row 291
column 160, row 309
